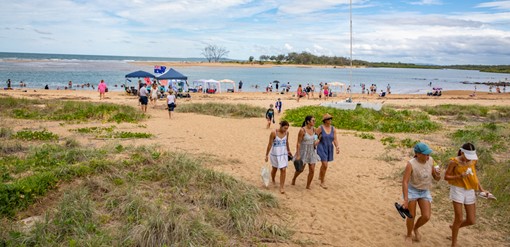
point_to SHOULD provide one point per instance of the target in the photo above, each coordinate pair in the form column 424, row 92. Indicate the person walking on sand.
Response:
column 278, row 105
column 154, row 94
column 461, row 175
column 416, row 185
column 299, row 92
column 171, row 102
column 327, row 138
column 102, row 89
column 326, row 91
column 270, row 116
column 305, row 149
column 240, row 86
column 278, row 152
column 144, row 100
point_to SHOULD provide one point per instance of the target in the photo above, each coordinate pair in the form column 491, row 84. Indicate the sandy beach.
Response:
column 356, row 210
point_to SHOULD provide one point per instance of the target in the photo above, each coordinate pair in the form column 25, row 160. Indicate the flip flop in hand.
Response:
column 487, row 195
column 403, row 211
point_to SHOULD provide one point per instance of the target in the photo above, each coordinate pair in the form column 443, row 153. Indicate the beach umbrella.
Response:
column 276, row 81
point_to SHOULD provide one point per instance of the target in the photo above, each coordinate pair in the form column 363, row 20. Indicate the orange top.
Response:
column 469, row 182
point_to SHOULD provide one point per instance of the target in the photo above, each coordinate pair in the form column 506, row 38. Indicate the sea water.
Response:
column 56, row 70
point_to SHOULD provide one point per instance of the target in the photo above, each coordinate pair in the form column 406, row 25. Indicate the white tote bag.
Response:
column 265, row 175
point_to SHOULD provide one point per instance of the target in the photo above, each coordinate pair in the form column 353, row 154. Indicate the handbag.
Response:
column 298, row 164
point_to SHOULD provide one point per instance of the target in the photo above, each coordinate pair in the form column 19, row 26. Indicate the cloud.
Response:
column 382, row 31
column 427, row 2
column 502, row 5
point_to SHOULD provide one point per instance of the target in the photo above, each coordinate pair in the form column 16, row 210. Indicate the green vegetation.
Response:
column 393, row 142
column 69, row 111
column 27, row 177
column 362, row 119
column 366, row 136
column 307, row 58
column 127, row 196
column 224, row 110
column 475, row 112
column 29, row 135
column 107, row 132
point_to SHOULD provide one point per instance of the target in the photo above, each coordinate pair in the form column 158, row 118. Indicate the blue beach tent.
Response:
column 172, row 74
column 140, row 74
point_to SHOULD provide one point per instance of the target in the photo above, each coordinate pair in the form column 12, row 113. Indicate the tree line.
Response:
column 214, row 53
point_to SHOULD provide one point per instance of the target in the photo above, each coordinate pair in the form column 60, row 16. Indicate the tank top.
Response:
column 469, row 182
column 279, row 153
column 421, row 176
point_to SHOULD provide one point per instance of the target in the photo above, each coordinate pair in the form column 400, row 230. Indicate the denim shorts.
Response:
column 414, row 194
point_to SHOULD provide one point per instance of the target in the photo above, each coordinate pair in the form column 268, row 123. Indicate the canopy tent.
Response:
column 227, row 81
column 209, row 86
column 171, row 74
column 338, row 85
column 140, row 74
column 137, row 74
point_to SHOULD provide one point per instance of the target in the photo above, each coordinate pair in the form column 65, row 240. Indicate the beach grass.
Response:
column 461, row 112
column 387, row 120
column 108, row 132
column 129, row 196
column 69, row 111
column 223, row 110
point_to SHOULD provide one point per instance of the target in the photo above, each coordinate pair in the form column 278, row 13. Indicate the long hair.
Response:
column 284, row 123
column 466, row 146
column 307, row 120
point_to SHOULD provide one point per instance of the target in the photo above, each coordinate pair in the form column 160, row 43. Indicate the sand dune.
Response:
column 357, row 208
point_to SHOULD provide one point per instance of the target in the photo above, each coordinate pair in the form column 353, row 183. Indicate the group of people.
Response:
column 152, row 93
column 313, row 145
column 417, row 182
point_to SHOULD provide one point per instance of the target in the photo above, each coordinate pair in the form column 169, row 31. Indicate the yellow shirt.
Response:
column 469, row 182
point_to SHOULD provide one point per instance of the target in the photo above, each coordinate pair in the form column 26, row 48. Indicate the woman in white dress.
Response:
column 278, row 152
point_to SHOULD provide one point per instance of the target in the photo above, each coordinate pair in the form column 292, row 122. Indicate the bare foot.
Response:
column 293, row 182
column 324, row 186
column 408, row 240
column 417, row 235
column 282, row 191
column 308, row 188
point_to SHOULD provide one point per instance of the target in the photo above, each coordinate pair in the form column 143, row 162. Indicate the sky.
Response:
column 408, row 31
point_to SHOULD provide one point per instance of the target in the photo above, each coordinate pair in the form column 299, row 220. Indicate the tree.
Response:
column 214, row 53
column 251, row 59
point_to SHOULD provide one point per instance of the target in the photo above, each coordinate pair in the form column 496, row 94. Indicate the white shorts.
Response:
column 461, row 195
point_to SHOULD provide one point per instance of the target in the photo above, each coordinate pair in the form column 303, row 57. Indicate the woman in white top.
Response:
column 154, row 94
column 278, row 148
column 171, row 102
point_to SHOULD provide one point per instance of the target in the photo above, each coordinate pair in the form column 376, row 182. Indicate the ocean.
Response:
column 56, row 70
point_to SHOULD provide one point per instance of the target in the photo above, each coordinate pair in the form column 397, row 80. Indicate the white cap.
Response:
column 470, row 155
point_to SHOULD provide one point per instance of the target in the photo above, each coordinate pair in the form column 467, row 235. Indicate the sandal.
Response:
column 404, row 211
column 486, row 195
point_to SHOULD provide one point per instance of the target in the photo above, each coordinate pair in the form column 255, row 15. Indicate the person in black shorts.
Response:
column 144, row 99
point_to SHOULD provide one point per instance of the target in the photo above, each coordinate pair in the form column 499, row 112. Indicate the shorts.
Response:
column 171, row 107
column 461, row 195
column 414, row 194
column 144, row 100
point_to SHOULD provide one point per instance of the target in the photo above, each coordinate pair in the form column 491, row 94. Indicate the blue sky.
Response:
column 411, row 31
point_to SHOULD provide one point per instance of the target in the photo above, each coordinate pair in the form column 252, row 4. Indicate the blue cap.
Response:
column 422, row 148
